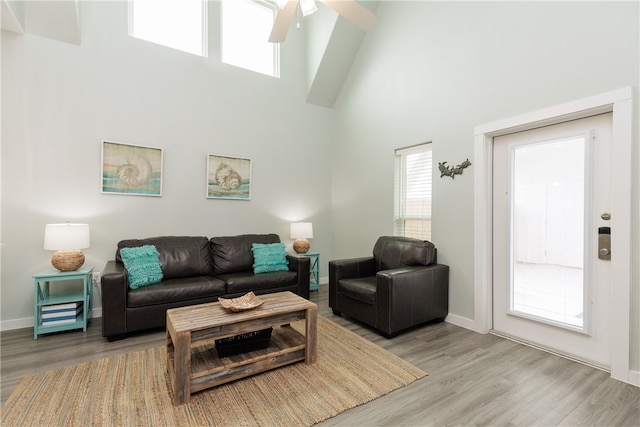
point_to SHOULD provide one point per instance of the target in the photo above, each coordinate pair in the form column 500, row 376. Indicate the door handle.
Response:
column 604, row 243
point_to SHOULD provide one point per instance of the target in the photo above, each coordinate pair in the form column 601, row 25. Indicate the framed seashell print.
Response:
column 228, row 177
column 131, row 169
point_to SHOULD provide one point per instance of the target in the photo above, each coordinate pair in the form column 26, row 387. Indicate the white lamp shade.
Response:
column 301, row 230
column 62, row 237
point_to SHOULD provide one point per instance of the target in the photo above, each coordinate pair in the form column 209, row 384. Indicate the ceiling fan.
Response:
column 350, row 9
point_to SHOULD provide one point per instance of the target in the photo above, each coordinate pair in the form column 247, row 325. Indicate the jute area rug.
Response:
column 132, row 389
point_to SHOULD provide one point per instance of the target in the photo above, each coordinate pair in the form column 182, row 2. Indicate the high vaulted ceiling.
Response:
column 332, row 42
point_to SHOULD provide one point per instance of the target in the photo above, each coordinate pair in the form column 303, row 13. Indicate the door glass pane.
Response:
column 548, row 189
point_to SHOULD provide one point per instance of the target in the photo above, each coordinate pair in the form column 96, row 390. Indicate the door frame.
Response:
column 620, row 103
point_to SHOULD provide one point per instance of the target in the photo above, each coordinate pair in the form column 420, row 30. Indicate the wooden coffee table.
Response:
column 193, row 363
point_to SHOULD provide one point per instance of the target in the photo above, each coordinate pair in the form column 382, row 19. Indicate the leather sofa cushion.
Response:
column 395, row 252
column 180, row 256
column 233, row 254
column 245, row 282
column 360, row 289
column 174, row 290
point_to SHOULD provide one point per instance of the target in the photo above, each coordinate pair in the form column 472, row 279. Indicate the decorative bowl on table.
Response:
column 245, row 302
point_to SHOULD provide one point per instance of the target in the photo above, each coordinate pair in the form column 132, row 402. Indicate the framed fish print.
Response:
column 228, row 177
column 131, row 169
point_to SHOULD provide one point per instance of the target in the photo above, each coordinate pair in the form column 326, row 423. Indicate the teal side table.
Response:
column 43, row 298
column 314, row 270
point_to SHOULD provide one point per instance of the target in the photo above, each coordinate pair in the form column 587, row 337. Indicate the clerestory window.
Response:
column 179, row 24
column 246, row 26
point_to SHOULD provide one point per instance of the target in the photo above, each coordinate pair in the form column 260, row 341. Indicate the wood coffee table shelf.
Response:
column 193, row 363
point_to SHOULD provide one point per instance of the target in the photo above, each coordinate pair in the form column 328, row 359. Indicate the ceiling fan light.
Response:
column 308, row 7
column 281, row 3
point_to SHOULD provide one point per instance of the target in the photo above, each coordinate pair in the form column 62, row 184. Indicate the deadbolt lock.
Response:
column 604, row 243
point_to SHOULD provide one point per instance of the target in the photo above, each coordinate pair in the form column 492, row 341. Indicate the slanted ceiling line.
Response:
column 12, row 16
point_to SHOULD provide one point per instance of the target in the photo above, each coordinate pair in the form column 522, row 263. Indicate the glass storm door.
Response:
column 550, row 189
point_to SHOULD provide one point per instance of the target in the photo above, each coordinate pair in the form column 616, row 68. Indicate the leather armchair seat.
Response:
column 400, row 286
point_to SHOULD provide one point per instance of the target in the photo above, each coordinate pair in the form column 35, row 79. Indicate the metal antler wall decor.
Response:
column 452, row 171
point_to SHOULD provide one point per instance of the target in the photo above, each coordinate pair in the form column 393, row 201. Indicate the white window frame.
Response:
column 403, row 188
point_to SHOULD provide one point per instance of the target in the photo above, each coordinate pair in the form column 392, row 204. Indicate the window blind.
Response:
column 412, row 192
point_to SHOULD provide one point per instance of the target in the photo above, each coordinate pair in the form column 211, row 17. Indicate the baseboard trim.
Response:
column 27, row 322
column 8, row 325
column 463, row 322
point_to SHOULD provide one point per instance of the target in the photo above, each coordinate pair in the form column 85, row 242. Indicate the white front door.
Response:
column 551, row 202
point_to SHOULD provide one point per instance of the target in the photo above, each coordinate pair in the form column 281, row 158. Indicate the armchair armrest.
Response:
column 411, row 295
column 302, row 266
column 352, row 268
column 114, row 299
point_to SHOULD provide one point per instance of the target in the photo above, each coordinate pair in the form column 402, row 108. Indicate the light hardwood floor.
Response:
column 474, row 379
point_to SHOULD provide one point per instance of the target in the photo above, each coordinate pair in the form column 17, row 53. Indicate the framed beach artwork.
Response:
column 131, row 169
column 228, row 177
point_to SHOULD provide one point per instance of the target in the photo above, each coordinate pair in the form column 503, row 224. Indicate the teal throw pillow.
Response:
column 142, row 264
column 269, row 257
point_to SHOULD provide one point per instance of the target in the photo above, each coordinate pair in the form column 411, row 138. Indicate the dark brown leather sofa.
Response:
column 400, row 286
column 195, row 270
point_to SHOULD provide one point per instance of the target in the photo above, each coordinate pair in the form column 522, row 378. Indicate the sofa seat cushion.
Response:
column 245, row 282
column 173, row 290
column 360, row 289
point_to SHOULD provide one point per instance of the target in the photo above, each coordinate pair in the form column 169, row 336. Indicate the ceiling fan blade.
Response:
column 283, row 22
column 354, row 12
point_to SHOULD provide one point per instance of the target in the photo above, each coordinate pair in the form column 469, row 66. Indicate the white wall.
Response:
column 59, row 101
column 432, row 71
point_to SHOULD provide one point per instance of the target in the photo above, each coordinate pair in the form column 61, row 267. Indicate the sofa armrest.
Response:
column 352, row 268
column 410, row 295
column 302, row 266
column 114, row 299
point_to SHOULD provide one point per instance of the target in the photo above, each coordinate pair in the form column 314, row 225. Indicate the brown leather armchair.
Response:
column 400, row 286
